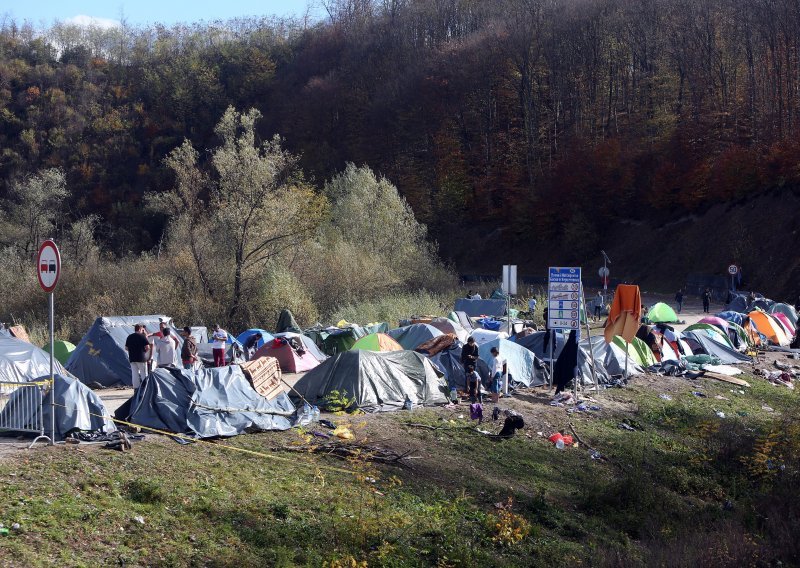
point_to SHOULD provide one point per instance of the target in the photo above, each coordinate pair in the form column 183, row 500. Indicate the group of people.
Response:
column 469, row 358
column 705, row 297
column 162, row 348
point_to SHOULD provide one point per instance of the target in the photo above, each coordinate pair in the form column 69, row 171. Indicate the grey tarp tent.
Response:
column 474, row 308
column 22, row 362
column 521, row 362
column 101, row 358
column 206, row 403
column 286, row 322
column 414, row 335
column 77, row 408
column 449, row 363
column 702, row 344
column 377, row 381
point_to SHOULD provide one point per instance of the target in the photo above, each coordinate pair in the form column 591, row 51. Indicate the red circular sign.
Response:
column 48, row 265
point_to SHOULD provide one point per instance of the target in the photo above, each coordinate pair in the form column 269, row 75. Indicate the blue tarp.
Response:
column 730, row 315
column 412, row 336
column 245, row 335
column 474, row 308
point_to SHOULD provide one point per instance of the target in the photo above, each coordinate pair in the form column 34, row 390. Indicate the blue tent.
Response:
column 101, row 358
column 730, row 315
column 474, row 308
column 245, row 335
column 520, row 360
column 412, row 336
column 449, row 363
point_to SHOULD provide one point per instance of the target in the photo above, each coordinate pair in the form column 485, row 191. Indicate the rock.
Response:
column 15, row 526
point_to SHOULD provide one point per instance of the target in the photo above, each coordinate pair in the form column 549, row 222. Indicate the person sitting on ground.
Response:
column 498, row 370
column 165, row 349
column 189, row 349
column 220, row 344
column 473, row 384
column 138, row 348
column 251, row 345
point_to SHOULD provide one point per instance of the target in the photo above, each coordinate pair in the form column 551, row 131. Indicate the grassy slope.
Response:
column 684, row 488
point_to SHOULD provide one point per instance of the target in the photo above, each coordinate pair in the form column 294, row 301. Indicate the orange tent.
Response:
column 625, row 314
column 769, row 327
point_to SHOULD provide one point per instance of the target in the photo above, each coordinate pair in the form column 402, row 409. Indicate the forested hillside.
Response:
column 540, row 123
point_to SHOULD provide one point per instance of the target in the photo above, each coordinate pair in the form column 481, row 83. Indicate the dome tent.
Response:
column 62, row 350
column 662, row 313
column 377, row 342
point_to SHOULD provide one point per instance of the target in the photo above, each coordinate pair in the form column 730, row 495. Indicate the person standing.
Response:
column 498, row 370
column 532, row 307
column 165, row 348
column 219, row 345
column 138, row 348
column 473, row 384
column 599, row 304
column 251, row 345
column 469, row 354
column 706, row 300
column 189, row 349
column 679, row 300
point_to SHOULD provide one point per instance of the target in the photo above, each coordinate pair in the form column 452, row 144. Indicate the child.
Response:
column 473, row 384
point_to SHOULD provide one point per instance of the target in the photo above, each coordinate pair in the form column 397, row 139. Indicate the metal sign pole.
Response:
column 52, row 376
column 589, row 339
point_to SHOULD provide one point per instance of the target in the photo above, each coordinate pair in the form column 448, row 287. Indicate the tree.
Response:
column 250, row 205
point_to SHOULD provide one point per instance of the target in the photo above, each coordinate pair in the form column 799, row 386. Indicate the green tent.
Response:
column 743, row 337
column 662, row 313
column 286, row 322
column 62, row 351
column 638, row 350
column 377, row 342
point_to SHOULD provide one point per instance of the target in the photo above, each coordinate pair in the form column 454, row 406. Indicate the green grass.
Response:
column 684, row 488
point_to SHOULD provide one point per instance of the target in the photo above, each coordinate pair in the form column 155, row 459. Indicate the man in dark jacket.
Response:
column 469, row 354
column 706, row 300
column 189, row 349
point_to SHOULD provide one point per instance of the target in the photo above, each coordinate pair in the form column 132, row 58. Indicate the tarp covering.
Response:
column 22, row 362
column 77, row 408
column 286, row 322
column 521, row 362
column 625, row 313
column 731, row 316
column 377, row 342
column 786, row 310
column 703, row 344
column 245, row 335
column 205, row 403
column 662, row 313
column 62, row 350
column 334, row 340
column 475, row 308
column 233, row 353
column 378, row 327
column 412, row 336
column 100, row 357
column 377, row 381
column 482, row 336
column 609, row 360
column 446, row 325
column 449, row 363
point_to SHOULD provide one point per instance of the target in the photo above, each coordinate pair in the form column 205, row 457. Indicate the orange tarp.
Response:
column 625, row 314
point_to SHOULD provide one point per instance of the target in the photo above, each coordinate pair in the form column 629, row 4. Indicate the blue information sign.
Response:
column 564, row 298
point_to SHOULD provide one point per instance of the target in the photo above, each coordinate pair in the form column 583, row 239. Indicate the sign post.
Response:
column 48, row 269
column 509, row 288
column 733, row 270
column 564, row 291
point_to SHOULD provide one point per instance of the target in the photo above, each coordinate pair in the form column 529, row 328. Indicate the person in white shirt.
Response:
column 219, row 345
column 165, row 349
column 498, row 370
column 531, row 307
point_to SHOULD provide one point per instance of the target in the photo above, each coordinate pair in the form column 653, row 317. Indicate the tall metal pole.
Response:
column 589, row 339
column 52, row 376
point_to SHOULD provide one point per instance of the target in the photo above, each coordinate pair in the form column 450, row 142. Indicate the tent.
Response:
column 662, row 313
column 737, row 302
column 719, row 322
column 475, row 308
column 712, row 331
column 286, row 322
column 308, row 344
column 703, row 343
column 78, row 408
column 22, row 362
column 446, row 325
column 638, row 351
column 521, row 361
column 377, row 342
column 377, row 327
column 245, row 335
column 786, row 310
column 784, row 321
column 205, row 404
column 290, row 359
column 62, row 350
column 730, row 316
column 100, row 357
column 377, row 381
column 234, row 353
column 449, row 363
column 463, row 319
column 769, row 327
column 333, row 340
column 412, row 336
column 482, row 336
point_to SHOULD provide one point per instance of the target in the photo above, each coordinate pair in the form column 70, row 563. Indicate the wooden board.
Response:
column 726, row 378
column 264, row 375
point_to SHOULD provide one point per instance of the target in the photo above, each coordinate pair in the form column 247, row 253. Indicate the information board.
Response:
column 564, row 298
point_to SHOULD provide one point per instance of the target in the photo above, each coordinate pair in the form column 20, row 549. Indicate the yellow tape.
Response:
column 217, row 445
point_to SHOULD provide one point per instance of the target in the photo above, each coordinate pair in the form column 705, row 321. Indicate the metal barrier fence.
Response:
column 21, row 408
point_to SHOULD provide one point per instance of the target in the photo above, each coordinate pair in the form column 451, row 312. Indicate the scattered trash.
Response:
column 461, row 417
column 476, row 411
column 408, row 405
column 699, row 394
column 327, row 424
column 560, row 440
column 139, row 519
column 595, row 455
column 720, row 397
column 665, row 397
column 4, row 531
column 15, row 526
column 627, row 427
column 767, row 408
column 343, row 433
column 742, row 413
column 720, row 413
column 322, row 435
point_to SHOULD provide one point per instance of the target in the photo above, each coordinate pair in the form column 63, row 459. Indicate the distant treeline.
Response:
column 480, row 112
